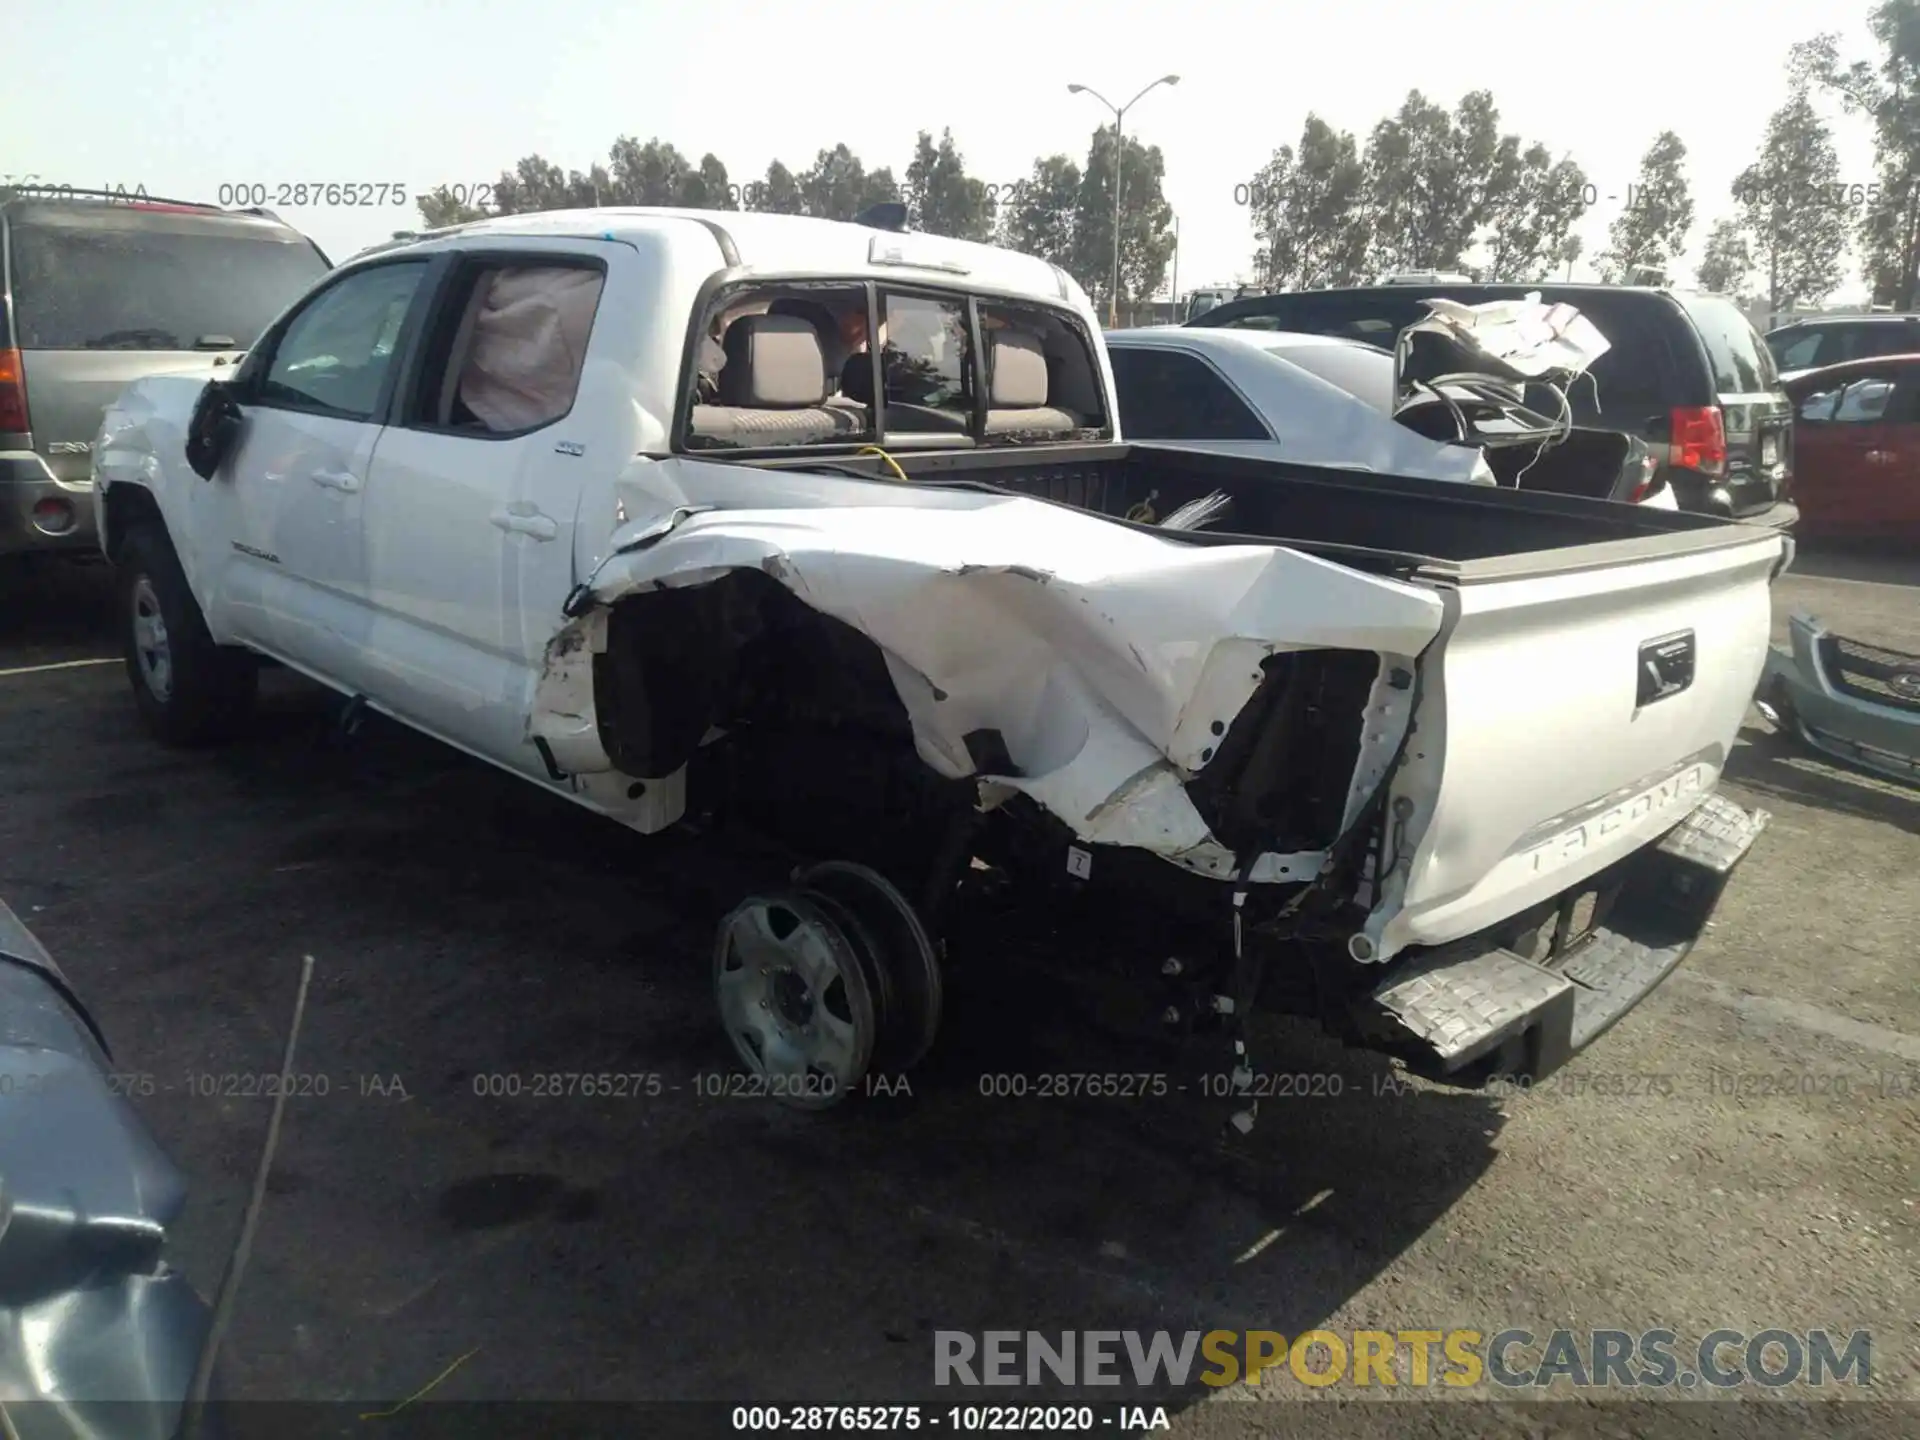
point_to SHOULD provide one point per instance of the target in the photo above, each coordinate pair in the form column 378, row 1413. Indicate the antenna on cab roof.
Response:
column 886, row 215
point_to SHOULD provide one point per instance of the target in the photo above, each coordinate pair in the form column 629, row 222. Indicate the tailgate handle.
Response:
column 1666, row 667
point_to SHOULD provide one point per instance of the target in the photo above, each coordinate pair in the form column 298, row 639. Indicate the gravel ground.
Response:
column 674, row 1246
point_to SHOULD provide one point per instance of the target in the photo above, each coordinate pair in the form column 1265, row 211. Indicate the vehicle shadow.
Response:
column 1770, row 763
column 472, row 935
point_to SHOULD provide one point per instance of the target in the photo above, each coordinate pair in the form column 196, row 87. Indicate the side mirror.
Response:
column 216, row 422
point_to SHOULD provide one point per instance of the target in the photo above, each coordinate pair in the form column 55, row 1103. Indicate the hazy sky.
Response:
column 418, row 92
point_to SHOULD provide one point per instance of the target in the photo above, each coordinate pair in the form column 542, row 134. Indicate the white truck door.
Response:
column 301, row 466
column 469, row 510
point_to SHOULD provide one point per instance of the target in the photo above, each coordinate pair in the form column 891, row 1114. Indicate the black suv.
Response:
column 1685, row 373
column 1814, row 344
column 97, row 290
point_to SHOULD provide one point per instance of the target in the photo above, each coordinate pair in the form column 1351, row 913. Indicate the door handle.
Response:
column 337, row 480
column 540, row 527
column 1879, row 457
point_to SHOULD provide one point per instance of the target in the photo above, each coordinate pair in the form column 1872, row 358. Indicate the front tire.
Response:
column 189, row 690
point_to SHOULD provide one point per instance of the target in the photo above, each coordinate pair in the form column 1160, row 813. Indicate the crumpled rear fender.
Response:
column 1110, row 660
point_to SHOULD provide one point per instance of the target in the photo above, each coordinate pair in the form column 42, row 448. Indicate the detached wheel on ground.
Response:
column 795, row 1000
column 818, row 984
column 189, row 690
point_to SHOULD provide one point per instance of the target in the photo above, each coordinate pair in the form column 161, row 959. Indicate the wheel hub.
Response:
column 794, row 999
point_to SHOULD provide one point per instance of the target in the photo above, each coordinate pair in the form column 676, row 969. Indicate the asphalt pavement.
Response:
column 670, row 1242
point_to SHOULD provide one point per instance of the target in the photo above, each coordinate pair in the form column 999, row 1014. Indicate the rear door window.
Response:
column 1816, row 406
column 509, row 349
column 1167, row 395
column 1799, row 350
column 1897, row 339
column 1864, row 401
column 1840, row 343
column 110, row 282
column 1741, row 362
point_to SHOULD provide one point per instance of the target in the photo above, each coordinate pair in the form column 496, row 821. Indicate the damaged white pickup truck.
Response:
column 828, row 529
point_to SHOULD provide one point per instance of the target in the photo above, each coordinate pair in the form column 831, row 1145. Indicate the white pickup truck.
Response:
column 626, row 502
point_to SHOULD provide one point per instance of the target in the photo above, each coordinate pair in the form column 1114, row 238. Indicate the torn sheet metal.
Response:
column 1110, row 660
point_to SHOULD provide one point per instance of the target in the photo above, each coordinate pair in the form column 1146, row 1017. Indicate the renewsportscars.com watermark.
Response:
column 1412, row 1359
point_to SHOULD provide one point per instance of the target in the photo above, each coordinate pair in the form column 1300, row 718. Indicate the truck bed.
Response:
column 1382, row 523
column 1581, row 694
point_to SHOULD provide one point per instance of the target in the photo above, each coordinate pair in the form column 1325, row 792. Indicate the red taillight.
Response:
column 1648, row 484
column 1699, row 440
column 13, row 393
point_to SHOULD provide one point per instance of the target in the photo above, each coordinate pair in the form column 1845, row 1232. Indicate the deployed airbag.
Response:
column 529, row 345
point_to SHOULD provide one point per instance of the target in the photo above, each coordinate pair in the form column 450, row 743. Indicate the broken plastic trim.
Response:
column 580, row 599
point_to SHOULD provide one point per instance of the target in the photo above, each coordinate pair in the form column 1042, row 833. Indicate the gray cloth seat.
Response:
column 1018, row 389
column 773, row 388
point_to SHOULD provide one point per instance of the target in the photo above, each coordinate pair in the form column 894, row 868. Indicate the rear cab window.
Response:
column 119, row 277
column 786, row 364
column 1797, row 349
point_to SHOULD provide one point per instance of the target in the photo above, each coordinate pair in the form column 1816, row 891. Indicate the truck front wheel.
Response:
column 189, row 690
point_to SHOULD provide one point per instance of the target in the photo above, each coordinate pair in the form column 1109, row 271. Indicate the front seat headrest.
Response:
column 1018, row 371
column 773, row 363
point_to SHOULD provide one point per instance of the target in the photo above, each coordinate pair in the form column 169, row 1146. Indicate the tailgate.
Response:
column 1565, row 720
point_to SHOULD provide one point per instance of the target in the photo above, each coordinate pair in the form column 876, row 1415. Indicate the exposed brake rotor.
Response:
column 906, row 972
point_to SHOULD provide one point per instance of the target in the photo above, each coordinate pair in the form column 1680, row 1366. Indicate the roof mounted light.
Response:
column 910, row 252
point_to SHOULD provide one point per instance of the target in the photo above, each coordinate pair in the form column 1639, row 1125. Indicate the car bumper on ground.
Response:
column 41, row 512
column 1858, row 703
column 99, row 1336
column 1496, row 1006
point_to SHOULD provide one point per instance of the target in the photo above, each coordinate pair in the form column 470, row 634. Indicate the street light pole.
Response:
column 1175, row 287
column 1119, row 174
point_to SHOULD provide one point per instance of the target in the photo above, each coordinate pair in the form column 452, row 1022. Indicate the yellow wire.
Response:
column 894, row 464
column 382, row 1414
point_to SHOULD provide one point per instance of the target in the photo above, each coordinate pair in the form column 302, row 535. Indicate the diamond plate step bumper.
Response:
column 1473, row 1009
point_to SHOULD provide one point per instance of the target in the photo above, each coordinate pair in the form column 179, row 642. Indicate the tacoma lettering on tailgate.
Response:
column 1569, row 845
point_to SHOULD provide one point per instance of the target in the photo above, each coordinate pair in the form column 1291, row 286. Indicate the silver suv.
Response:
column 96, row 290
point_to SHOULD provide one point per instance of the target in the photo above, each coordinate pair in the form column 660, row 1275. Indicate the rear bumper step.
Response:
column 1475, row 1009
